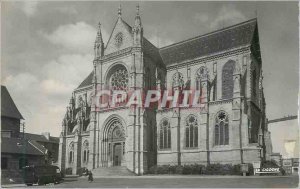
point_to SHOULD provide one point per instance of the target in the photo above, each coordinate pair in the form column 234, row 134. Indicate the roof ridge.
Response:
column 120, row 18
column 209, row 33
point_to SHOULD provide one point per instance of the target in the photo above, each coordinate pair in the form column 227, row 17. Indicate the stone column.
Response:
column 236, row 142
column 62, row 153
column 204, row 112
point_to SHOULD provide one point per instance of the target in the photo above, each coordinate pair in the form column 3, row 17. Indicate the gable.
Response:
column 120, row 38
column 8, row 107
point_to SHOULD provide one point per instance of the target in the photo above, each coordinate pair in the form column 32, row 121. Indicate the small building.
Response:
column 16, row 151
column 48, row 144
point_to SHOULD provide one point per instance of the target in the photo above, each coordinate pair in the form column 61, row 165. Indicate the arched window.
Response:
column 222, row 129
column 177, row 80
column 201, row 74
column 191, row 132
column 254, row 83
column 71, row 152
column 85, row 148
column 118, row 78
column 227, row 80
column 148, row 83
column 165, row 134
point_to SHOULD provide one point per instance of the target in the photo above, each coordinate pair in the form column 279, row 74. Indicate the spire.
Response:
column 99, row 34
column 99, row 46
column 137, row 29
column 137, row 17
column 138, row 10
column 120, row 11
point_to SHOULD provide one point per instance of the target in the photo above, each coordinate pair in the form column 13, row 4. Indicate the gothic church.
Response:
column 225, row 64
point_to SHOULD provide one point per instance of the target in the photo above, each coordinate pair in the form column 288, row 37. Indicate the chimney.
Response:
column 47, row 135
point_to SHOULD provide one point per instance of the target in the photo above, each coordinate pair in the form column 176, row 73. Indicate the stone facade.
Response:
column 229, row 128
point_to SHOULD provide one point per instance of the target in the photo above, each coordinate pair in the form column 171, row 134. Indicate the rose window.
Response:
column 119, row 79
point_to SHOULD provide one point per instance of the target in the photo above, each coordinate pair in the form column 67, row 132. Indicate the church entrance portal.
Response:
column 114, row 142
column 117, row 156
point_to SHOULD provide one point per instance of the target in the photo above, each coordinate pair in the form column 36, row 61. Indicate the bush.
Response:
column 164, row 169
column 172, row 169
column 197, row 169
column 251, row 169
column 152, row 170
column 236, row 169
column 269, row 164
column 179, row 169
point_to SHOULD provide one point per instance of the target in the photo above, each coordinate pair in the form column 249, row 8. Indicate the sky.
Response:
column 47, row 47
column 285, row 143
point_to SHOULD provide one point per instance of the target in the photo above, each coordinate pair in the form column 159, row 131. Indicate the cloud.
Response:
column 29, row 7
column 228, row 15
column 51, row 86
column 21, row 82
column 42, row 98
column 67, row 10
column 78, row 37
column 69, row 69
column 159, row 41
column 201, row 17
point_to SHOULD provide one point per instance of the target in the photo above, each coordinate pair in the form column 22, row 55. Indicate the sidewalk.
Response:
column 185, row 176
column 12, row 185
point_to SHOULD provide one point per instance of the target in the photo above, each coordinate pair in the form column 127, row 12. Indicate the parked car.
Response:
column 41, row 174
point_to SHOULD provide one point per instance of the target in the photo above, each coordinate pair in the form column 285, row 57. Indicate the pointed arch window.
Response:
column 222, row 129
column 254, row 83
column 85, row 148
column 71, row 152
column 177, row 80
column 201, row 74
column 227, row 80
column 191, row 132
column 165, row 134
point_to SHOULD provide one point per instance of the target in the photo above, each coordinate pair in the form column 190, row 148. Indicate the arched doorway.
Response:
column 114, row 143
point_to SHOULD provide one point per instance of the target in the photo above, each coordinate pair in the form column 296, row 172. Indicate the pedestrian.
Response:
column 90, row 178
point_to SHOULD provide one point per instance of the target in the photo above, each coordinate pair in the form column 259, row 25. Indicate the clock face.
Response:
column 119, row 39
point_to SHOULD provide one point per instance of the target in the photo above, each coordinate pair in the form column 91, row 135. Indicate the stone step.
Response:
column 112, row 171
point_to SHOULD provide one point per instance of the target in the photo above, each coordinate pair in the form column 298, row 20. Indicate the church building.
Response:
column 229, row 128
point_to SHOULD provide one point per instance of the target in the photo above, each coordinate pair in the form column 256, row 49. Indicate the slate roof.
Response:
column 217, row 41
column 41, row 138
column 12, row 146
column 227, row 38
column 87, row 81
column 38, row 146
column 8, row 107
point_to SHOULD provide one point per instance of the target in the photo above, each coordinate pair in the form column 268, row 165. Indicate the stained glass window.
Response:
column 165, row 135
column 191, row 130
column 227, row 80
column 177, row 80
column 119, row 79
column 222, row 129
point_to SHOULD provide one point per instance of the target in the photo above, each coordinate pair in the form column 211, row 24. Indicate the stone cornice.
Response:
column 112, row 109
column 220, row 102
column 117, row 54
column 210, row 57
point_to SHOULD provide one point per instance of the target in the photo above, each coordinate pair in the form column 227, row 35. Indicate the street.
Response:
column 179, row 182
